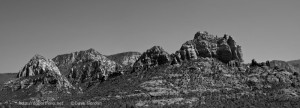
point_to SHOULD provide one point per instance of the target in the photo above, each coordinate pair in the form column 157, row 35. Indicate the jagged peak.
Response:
column 91, row 50
column 154, row 56
column 88, row 54
column 205, row 44
column 38, row 64
column 38, row 56
column 205, row 36
column 156, row 49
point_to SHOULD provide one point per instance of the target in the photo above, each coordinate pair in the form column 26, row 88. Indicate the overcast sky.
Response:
column 266, row 29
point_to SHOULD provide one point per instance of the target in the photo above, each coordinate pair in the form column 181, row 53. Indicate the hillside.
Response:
column 198, row 83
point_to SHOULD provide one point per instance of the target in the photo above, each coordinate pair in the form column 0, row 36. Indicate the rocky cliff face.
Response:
column 38, row 65
column 86, row 66
column 203, row 45
column 208, row 45
column 42, row 79
column 126, row 59
column 152, row 57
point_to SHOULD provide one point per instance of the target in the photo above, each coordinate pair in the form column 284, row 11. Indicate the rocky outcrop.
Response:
column 208, row 45
column 152, row 57
column 224, row 52
column 126, row 59
column 188, row 51
column 41, row 78
column 38, row 65
column 86, row 66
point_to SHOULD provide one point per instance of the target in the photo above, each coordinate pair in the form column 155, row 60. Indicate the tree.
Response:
column 253, row 63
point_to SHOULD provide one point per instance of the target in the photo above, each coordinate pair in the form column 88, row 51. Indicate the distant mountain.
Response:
column 295, row 63
column 284, row 65
column 86, row 67
column 4, row 77
column 126, row 59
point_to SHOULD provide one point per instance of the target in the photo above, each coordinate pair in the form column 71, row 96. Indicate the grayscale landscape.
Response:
column 149, row 54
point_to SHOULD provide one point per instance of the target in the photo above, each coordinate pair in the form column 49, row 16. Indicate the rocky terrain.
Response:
column 208, row 45
column 126, row 59
column 154, row 56
column 84, row 68
column 38, row 80
column 207, row 71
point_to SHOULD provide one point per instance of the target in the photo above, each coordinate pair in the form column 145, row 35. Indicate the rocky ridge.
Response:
column 38, row 79
column 203, row 45
column 208, row 45
column 205, row 72
column 38, row 65
column 86, row 66
column 126, row 59
column 154, row 56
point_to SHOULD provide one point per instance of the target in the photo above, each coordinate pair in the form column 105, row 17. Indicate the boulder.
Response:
column 224, row 53
column 282, row 65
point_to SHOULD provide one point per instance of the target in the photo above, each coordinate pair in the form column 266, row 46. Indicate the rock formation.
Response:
column 207, row 45
column 38, row 65
column 40, row 77
column 188, row 51
column 152, row 57
column 86, row 66
column 126, row 59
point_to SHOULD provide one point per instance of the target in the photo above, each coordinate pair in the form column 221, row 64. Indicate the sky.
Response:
column 266, row 29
